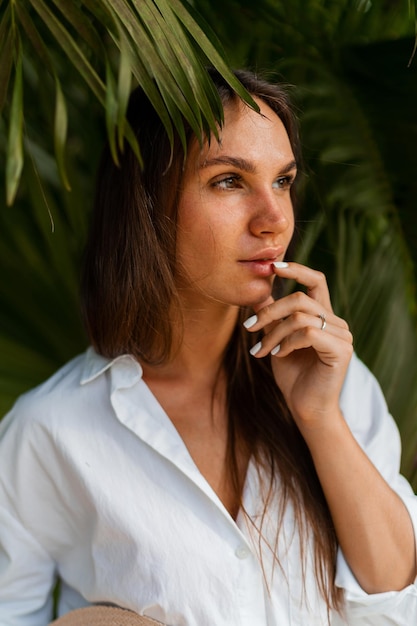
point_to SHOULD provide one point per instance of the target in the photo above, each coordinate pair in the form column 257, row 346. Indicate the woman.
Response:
column 219, row 456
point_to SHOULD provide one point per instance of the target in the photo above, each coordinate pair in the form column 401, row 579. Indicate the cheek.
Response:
column 290, row 218
column 196, row 228
column 291, row 222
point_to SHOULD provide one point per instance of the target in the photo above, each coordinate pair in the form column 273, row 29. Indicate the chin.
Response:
column 256, row 297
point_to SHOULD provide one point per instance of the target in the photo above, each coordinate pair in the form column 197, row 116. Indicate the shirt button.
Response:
column 242, row 552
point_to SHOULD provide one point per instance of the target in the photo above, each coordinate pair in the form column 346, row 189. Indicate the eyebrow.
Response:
column 242, row 164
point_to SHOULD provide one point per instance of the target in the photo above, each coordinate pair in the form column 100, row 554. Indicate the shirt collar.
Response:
column 95, row 365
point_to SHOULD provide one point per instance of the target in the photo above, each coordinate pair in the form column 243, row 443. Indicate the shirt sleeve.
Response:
column 367, row 415
column 27, row 573
column 26, row 576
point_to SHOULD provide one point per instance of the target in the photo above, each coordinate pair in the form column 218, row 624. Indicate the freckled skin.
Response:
column 235, row 205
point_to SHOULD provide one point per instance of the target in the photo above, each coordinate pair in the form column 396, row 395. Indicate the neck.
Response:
column 202, row 337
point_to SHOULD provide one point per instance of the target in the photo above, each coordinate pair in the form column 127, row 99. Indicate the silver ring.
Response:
column 323, row 321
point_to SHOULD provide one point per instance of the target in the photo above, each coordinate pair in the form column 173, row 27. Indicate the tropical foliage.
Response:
column 150, row 41
column 66, row 70
column 355, row 86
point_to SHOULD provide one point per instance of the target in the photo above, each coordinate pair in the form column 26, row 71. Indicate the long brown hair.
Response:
column 128, row 288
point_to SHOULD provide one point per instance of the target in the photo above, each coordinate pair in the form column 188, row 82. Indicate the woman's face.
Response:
column 235, row 215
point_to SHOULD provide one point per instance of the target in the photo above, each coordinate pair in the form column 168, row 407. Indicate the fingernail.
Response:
column 256, row 348
column 280, row 265
column 275, row 350
column 251, row 321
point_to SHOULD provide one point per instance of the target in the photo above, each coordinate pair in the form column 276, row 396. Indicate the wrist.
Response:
column 323, row 428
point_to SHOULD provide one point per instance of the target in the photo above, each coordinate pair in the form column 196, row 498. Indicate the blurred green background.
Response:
column 352, row 75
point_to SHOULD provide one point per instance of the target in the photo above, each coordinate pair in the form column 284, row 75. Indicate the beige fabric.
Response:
column 104, row 616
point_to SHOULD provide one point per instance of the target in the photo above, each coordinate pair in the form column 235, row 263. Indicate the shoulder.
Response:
column 78, row 393
column 55, row 434
column 56, row 389
column 57, row 398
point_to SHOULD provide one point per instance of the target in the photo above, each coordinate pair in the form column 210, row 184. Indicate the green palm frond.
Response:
column 110, row 43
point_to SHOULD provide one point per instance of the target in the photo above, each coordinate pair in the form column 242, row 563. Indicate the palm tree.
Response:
column 356, row 90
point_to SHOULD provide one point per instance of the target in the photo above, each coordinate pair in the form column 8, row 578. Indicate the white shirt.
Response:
column 96, row 486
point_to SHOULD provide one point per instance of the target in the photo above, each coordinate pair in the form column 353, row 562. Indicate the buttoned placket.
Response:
column 155, row 428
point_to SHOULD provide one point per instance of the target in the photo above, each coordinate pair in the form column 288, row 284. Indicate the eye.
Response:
column 231, row 181
column 284, row 182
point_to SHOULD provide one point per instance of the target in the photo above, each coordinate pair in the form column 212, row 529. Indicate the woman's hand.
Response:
column 310, row 347
column 372, row 525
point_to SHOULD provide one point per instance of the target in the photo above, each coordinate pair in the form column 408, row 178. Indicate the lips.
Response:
column 265, row 256
column 260, row 264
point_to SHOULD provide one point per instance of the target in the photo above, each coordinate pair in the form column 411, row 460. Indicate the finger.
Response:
column 262, row 305
column 314, row 280
column 277, row 336
column 252, row 323
column 330, row 349
column 283, row 308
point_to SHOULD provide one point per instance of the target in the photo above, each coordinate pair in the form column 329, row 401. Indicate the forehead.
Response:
column 245, row 133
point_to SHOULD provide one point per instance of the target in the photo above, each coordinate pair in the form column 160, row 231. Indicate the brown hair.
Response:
column 128, row 288
column 128, row 279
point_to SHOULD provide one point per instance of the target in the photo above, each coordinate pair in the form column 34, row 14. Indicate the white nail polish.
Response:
column 256, row 348
column 275, row 350
column 251, row 321
column 280, row 265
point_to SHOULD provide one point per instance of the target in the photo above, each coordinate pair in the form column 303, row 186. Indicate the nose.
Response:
column 272, row 213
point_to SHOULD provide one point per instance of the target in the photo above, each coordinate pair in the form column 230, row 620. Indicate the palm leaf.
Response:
column 124, row 85
column 15, row 141
column 60, row 133
column 6, row 61
column 82, row 26
column 151, row 41
column 71, row 49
